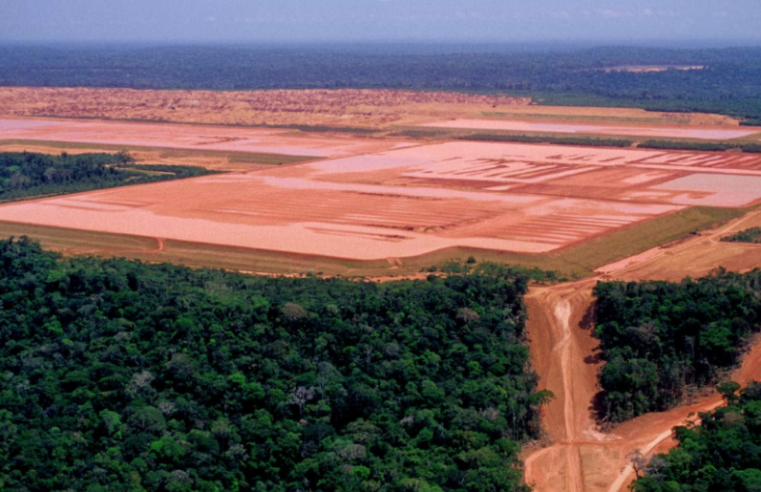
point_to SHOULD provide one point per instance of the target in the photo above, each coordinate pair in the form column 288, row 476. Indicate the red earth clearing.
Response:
column 384, row 198
column 402, row 200
column 565, row 354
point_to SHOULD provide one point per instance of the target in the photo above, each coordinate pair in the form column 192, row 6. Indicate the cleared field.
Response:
column 311, row 217
column 190, row 137
column 419, row 200
column 707, row 133
column 574, row 261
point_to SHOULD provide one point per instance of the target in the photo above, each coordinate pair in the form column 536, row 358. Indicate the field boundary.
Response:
column 232, row 156
column 740, row 145
column 576, row 261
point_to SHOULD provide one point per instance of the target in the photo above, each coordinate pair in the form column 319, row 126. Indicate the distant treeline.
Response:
column 26, row 175
column 728, row 84
column 660, row 338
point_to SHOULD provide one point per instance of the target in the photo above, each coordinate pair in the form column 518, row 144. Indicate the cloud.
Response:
column 609, row 14
column 613, row 14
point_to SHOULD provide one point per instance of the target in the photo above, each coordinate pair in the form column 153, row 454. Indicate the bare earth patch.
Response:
column 190, row 137
column 402, row 200
column 563, row 352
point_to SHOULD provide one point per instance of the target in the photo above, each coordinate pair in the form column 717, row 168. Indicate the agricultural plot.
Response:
column 412, row 201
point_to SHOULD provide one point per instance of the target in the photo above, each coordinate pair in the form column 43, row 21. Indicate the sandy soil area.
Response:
column 402, row 202
column 707, row 133
column 564, row 353
column 339, row 108
column 309, row 214
column 191, row 137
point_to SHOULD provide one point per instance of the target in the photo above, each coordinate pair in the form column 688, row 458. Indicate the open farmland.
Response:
column 411, row 201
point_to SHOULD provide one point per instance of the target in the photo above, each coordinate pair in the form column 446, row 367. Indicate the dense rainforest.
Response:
column 118, row 375
column 661, row 338
column 727, row 83
column 28, row 175
column 722, row 454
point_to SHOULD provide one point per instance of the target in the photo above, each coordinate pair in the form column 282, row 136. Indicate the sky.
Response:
column 380, row 20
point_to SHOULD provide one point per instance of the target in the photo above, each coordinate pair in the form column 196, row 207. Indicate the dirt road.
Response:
column 566, row 356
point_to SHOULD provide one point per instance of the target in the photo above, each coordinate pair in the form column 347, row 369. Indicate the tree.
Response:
column 124, row 158
column 728, row 389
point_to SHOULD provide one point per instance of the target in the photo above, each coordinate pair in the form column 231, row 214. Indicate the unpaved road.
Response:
column 565, row 354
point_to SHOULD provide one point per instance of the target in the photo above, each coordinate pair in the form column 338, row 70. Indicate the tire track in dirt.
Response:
column 557, row 356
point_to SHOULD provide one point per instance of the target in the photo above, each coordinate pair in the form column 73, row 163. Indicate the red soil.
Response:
column 364, row 207
column 191, row 137
column 564, row 352
column 392, row 203
column 409, row 201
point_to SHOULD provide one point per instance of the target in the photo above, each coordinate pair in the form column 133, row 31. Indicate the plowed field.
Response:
column 401, row 200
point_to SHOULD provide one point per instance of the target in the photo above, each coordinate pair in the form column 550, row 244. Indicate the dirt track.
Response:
column 564, row 353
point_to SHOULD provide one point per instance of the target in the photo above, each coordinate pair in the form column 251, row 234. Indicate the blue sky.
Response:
column 369, row 20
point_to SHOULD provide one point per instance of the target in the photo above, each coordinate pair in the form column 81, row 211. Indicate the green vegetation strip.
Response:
column 154, row 377
column 588, row 141
column 233, row 157
column 584, row 141
column 581, row 260
column 752, row 235
column 719, row 454
column 660, row 340
column 750, row 148
column 502, row 136
column 25, row 175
